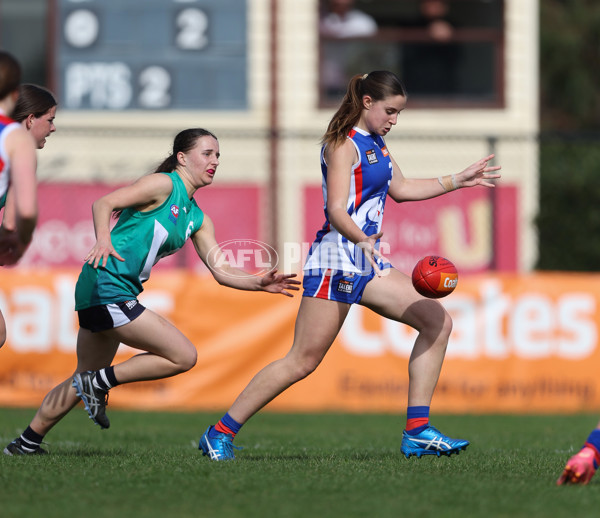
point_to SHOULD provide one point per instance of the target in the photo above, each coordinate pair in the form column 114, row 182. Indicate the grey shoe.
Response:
column 94, row 399
column 18, row 447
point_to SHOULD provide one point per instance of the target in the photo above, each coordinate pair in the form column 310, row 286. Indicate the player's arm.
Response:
column 146, row 193
column 339, row 167
column 412, row 189
column 20, row 212
column 211, row 254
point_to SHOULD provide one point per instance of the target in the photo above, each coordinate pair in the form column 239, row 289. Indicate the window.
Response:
column 23, row 33
column 449, row 53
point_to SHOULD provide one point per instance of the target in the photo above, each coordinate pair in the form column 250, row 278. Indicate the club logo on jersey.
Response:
column 371, row 156
column 174, row 213
column 345, row 286
column 385, row 151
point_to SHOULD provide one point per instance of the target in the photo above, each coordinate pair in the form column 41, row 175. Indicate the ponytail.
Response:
column 184, row 141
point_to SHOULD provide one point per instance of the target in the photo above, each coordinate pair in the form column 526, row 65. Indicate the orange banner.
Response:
column 520, row 343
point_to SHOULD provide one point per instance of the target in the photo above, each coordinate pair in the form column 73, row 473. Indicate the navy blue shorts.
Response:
column 109, row 316
column 336, row 285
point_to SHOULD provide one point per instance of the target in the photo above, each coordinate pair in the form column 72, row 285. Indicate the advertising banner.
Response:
column 520, row 344
column 65, row 230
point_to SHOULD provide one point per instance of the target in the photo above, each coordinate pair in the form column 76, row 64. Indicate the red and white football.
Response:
column 434, row 277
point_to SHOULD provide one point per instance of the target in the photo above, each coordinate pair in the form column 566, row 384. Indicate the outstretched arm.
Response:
column 412, row 189
column 211, row 254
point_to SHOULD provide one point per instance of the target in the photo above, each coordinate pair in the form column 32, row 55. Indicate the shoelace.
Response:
column 228, row 446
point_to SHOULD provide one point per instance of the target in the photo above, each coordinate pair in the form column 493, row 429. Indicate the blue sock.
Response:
column 227, row 424
column 417, row 419
column 594, row 441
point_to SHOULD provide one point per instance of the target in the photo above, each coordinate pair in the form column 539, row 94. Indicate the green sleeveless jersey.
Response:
column 142, row 239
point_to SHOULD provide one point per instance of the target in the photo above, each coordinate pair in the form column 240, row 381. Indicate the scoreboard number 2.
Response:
column 193, row 28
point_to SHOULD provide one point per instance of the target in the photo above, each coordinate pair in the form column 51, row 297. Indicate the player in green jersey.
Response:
column 157, row 214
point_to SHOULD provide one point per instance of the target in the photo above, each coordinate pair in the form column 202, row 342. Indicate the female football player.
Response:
column 345, row 267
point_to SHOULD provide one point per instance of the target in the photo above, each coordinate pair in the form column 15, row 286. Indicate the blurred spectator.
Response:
column 342, row 20
column 435, row 13
column 433, row 65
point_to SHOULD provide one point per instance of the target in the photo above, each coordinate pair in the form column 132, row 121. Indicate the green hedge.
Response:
column 568, row 222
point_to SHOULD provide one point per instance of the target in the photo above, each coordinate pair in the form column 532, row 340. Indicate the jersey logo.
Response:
column 131, row 304
column 371, row 156
column 345, row 286
column 174, row 214
column 385, row 151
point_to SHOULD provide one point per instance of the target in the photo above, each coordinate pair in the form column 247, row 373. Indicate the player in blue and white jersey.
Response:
column 17, row 173
column 345, row 266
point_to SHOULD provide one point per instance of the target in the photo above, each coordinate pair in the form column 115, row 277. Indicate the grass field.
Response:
column 335, row 465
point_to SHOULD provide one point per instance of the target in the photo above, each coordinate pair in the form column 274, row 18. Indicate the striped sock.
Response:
column 105, row 379
column 227, row 425
column 417, row 419
column 593, row 442
column 30, row 440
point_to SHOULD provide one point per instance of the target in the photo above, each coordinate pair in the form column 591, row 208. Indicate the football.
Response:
column 434, row 277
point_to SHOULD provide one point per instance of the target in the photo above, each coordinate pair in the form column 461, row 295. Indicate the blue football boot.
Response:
column 217, row 448
column 430, row 441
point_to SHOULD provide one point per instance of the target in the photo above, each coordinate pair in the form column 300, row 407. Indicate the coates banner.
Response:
column 520, row 343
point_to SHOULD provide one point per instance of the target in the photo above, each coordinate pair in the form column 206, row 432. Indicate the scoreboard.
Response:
column 151, row 54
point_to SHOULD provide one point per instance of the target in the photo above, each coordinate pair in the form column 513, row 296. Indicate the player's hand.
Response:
column 11, row 247
column 371, row 253
column 579, row 469
column 100, row 253
column 279, row 283
column 478, row 174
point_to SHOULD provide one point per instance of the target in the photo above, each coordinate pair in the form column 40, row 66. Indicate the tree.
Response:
column 570, row 64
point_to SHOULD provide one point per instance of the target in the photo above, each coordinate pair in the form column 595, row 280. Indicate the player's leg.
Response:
column 168, row 352
column 94, row 351
column 2, row 330
column 317, row 324
column 394, row 297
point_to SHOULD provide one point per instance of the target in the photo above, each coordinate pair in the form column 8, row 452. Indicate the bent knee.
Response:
column 305, row 367
column 187, row 359
column 447, row 324
column 437, row 321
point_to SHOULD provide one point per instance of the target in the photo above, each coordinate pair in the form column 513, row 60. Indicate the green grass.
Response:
column 332, row 465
